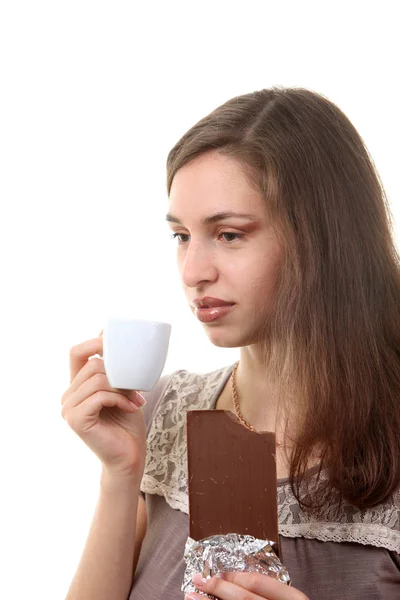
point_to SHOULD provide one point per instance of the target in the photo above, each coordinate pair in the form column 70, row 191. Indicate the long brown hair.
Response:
column 335, row 328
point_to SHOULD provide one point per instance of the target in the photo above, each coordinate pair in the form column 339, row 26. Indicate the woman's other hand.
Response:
column 244, row 586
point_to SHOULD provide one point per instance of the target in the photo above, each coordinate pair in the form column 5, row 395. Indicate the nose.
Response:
column 198, row 265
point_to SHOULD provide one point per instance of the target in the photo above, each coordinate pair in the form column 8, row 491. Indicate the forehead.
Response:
column 213, row 182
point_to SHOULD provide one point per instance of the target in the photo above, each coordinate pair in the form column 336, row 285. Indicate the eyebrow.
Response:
column 216, row 218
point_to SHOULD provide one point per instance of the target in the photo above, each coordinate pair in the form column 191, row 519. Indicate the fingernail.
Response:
column 140, row 400
column 192, row 597
column 199, row 580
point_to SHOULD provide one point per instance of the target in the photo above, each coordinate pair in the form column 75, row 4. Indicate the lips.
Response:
column 214, row 314
column 208, row 302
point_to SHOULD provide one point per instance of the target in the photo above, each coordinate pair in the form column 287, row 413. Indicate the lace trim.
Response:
column 165, row 472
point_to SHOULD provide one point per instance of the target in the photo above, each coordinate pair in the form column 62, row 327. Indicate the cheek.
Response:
column 260, row 278
column 179, row 261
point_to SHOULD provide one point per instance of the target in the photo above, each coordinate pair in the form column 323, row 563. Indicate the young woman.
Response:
column 285, row 250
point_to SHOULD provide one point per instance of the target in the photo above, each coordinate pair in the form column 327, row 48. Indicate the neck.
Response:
column 258, row 394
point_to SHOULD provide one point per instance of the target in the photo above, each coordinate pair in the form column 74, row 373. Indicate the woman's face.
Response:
column 222, row 253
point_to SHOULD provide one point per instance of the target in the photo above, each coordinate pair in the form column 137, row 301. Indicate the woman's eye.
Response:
column 230, row 236
column 178, row 236
column 233, row 236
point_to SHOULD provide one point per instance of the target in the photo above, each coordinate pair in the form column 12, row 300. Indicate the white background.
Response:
column 93, row 95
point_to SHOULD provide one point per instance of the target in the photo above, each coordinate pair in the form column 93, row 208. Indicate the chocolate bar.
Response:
column 231, row 477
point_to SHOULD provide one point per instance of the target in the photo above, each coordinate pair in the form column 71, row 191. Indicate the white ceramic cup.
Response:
column 134, row 352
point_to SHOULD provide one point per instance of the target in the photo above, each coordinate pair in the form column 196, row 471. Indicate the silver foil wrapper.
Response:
column 230, row 552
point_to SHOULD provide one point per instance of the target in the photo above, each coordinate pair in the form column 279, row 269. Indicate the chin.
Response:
column 227, row 339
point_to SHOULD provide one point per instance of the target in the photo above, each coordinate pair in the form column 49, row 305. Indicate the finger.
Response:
column 90, row 368
column 95, row 381
column 79, row 354
column 259, row 586
column 223, row 589
column 82, row 417
column 91, row 379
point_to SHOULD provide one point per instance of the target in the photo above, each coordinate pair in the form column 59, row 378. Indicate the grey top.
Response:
column 355, row 556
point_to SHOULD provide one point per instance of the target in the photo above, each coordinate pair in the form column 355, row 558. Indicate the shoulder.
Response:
column 165, row 414
column 378, row 526
column 183, row 387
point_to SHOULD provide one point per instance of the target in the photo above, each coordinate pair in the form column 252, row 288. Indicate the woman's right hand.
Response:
column 108, row 420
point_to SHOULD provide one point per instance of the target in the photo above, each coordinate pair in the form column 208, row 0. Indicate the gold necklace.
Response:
column 236, row 405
